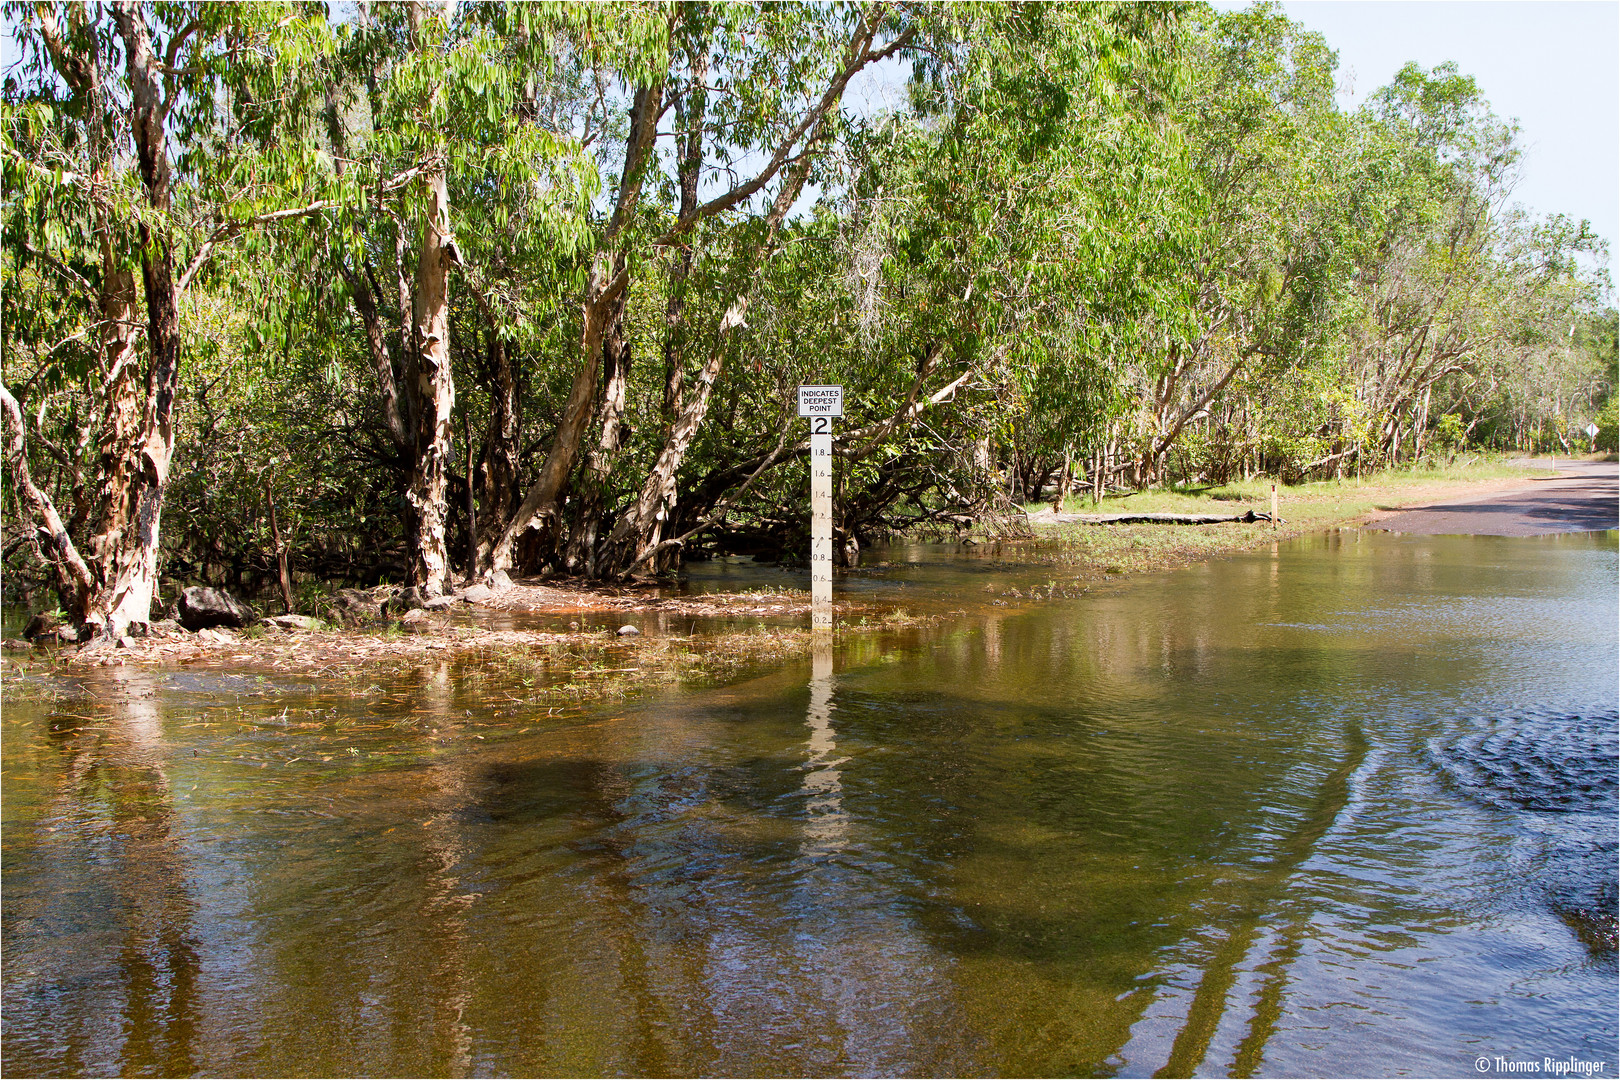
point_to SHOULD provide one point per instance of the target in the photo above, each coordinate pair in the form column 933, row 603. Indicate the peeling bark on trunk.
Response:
column 582, row 548
column 693, row 111
column 137, row 435
column 123, row 571
column 433, row 390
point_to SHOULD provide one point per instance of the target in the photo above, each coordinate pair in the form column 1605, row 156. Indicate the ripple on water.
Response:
column 1557, row 774
column 1549, row 764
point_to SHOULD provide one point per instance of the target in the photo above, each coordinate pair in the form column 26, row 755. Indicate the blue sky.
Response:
column 1553, row 65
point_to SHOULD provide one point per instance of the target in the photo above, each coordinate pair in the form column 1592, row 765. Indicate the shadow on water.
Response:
column 1333, row 807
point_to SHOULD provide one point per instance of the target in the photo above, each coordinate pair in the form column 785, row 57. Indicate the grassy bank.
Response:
column 1303, row 508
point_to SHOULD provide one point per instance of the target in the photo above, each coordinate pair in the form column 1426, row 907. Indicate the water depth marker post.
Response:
column 820, row 404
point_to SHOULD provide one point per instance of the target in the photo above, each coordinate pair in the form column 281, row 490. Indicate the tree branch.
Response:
column 229, row 229
column 858, row 54
column 719, row 510
column 66, row 271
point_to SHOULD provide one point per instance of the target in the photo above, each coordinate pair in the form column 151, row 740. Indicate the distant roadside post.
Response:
column 1591, row 435
column 820, row 404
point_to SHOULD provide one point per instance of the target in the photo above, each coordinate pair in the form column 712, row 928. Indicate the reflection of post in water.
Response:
column 826, row 825
column 117, row 780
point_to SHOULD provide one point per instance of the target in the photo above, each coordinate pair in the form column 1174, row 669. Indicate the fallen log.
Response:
column 1248, row 517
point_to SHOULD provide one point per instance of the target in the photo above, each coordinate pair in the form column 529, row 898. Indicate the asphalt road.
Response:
column 1583, row 497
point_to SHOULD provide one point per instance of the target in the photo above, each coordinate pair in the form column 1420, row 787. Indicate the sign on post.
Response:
column 820, row 404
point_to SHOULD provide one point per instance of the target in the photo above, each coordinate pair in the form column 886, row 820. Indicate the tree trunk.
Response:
column 690, row 113
column 282, row 571
column 138, row 438
column 582, row 547
column 541, row 501
column 1063, row 480
column 499, row 468
column 1420, row 436
column 609, row 278
column 434, row 394
column 472, row 503
column 120, row 470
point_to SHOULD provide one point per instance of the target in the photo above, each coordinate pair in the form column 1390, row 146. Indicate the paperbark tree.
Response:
column 790, row 140
column 445, row 103
column 69, row 151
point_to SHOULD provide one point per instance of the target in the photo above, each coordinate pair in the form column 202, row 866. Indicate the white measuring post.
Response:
column 820, row 404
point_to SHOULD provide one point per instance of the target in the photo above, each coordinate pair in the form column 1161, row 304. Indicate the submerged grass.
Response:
column 576, row 667
column 571, row 670
column 565, row 670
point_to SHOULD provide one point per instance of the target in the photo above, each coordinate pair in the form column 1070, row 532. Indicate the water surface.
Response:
column 1345, row 807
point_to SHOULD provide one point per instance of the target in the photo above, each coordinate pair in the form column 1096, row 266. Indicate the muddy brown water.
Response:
column 1344, row 807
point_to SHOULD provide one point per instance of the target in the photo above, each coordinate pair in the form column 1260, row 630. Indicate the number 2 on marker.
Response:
column 821, row 425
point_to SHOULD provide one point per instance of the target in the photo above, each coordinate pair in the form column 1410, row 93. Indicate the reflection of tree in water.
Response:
column 708, row 906
column 365, row 910
column 115, row 792
column 446, row 902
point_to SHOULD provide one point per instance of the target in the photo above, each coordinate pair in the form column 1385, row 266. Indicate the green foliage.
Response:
column 1608, row 423
column 1140, row 238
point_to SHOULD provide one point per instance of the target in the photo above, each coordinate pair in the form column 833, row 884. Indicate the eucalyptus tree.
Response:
column 942, row 263
column 436, row 161
column 755, row 93
column 1528, row 371
column 1038, row 212
column 1430, row 280
column 1264, row 262
column 122, row 183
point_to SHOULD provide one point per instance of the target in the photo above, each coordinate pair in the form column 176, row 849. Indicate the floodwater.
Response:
column 1344, row 807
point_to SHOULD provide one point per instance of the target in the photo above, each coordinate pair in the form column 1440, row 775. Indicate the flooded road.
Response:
column 1345, row 807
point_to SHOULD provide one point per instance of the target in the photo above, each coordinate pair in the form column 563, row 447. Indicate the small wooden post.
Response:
column 1274, row 504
